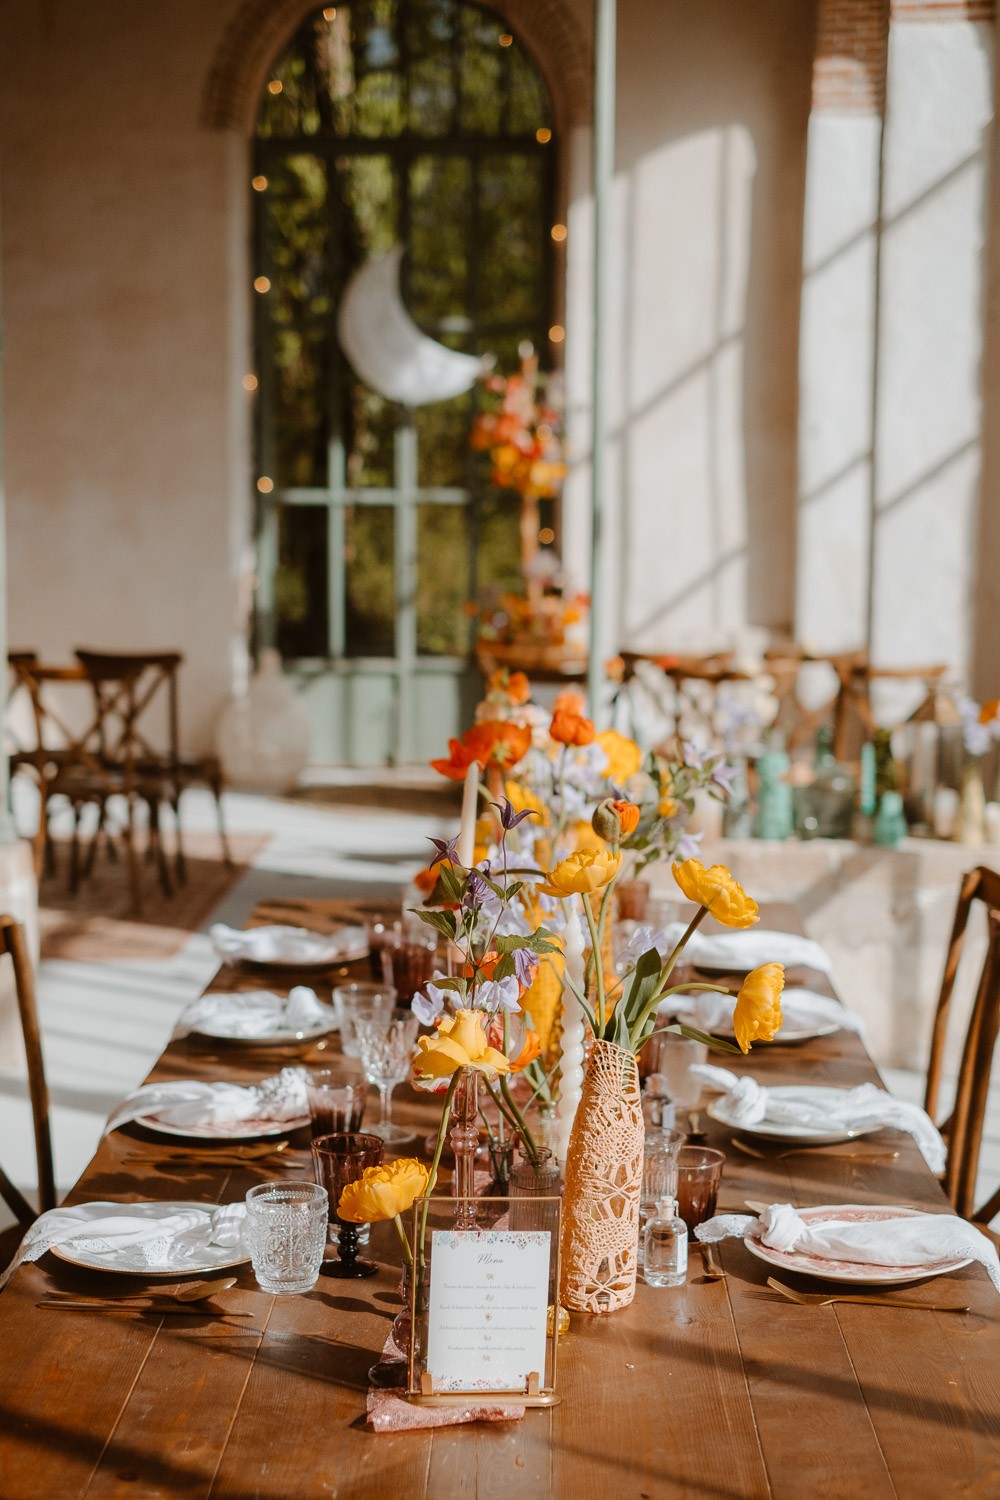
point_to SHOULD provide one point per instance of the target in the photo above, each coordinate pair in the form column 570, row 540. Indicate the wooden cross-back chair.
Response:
column 127, row 685
column 13, row 941
column 963, row 1130
column 690, row 683
column 64, row 761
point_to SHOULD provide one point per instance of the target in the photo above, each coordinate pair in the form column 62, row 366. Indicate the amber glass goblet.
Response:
column 340, row 1159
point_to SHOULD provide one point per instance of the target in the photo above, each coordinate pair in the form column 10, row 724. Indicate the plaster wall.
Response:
column 929, row 409
column 125, row 315
column 712, row 114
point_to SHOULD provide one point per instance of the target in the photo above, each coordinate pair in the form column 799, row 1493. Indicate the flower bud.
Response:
column 614, row 820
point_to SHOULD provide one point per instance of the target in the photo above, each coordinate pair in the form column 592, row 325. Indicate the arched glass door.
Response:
column 421, row 123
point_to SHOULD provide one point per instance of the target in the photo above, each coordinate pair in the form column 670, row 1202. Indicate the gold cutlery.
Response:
column 193, row 1291
column 817, row 1151
column 713, row 1266
column 823, row 1299
column 196, row 1153
column 159, row 1309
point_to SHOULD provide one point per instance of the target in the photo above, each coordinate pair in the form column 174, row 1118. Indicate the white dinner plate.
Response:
column 130, row 1261
column 219, row 1032
column 344, row 945
column 791, row 1031
column 855, row 1273
column 805, row 1135
column 223, row 1130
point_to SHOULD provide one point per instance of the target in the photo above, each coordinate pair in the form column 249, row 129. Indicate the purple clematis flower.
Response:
column 508, row 817
column 446, row 849
column 722, row 776
column 497, row 994
column 689, row 845
column 525, row 964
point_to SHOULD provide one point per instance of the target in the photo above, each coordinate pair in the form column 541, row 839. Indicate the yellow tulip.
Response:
column 758, row 1005
column 460, row 1043
column 383, row 1192
column 715, row 888
column 582, row 873
column 624, row 755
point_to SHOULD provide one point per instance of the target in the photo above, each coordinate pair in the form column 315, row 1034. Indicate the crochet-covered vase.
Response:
column 600, row 1228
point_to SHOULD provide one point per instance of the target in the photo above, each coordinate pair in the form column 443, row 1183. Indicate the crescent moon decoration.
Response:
column 388, row 350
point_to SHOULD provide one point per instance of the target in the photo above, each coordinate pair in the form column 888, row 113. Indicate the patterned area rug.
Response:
column 95, row 925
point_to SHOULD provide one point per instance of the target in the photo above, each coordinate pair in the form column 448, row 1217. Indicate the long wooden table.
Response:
column 720, row 1390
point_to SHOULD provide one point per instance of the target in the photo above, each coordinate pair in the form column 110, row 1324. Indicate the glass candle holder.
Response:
column 286, row 1228
column 338, row 1160
column 699, row 1172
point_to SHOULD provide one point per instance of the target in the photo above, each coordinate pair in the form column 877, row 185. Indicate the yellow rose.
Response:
column 666, row 807
column 715, row 888
column 460, row 1043
column 582, row 873
column 758, row 1005
column 383, row 1192
column 624, row 755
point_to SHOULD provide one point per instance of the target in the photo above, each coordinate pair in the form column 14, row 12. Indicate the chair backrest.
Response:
column 963, row 1130
column 14, row 942
column 126, row 686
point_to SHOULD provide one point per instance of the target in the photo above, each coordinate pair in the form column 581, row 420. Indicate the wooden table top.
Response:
column 719, row 1390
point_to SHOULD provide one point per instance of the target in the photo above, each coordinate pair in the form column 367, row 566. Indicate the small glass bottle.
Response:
column 665, row 1247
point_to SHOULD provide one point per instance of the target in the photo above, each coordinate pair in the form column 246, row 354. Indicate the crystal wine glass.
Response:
column 386, row 1054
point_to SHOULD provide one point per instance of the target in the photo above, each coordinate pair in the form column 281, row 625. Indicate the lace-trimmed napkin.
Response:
column 390, row 1412
column 729, row 952
column 748, row 1103
column 190, row 1102
column 291, row 945
column 164, row 1237
column 916, row 1240
column 800, row 1008
column 254, row 1015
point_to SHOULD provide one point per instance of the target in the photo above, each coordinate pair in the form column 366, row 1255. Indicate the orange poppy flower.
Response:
column 628, row 817
column 531, row 1049
column 569, row 728
column 502, row 742
column 570, row 700
column 514, row 686
column 425, row 881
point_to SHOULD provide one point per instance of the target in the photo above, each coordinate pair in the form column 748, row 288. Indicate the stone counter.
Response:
column 883, row 915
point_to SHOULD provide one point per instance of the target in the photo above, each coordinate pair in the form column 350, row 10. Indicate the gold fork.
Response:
column 816, row 1151
column 822, row 1299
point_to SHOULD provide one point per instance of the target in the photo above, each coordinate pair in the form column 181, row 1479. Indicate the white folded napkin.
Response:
column 709, row 1010
column 255, row 1014
column 916, row 1240
column 292, row 945
column 748, row 1103
column 190, row 1102
column 729, row 952
column 165, row 1235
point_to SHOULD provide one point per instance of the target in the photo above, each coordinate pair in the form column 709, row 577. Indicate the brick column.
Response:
column 838, row 318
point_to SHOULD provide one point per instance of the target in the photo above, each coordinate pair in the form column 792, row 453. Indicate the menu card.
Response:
column 488, row 1306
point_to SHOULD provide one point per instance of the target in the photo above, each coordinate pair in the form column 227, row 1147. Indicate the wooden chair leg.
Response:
column 132, row 861
column 227, row 857
column 180, row 863
column 16, row 945
column 156, row 847
column 74, row 850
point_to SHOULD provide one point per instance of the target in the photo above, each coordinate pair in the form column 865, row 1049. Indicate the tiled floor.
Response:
column 105, row 1023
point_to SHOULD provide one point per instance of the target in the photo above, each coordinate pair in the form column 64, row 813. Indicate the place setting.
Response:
column 282, row 946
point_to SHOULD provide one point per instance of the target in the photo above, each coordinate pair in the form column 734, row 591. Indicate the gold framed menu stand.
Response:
column 489, row 1219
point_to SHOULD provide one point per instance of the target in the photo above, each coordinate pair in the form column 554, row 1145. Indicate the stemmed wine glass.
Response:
column 386, row 1053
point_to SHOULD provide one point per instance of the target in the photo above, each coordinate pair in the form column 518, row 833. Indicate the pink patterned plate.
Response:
column 858, row 1273
column 223, row 1130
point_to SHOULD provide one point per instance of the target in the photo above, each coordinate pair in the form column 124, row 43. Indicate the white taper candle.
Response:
column 571, row 1051
column 470, row 807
